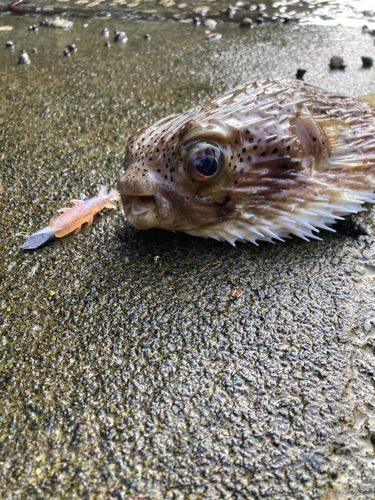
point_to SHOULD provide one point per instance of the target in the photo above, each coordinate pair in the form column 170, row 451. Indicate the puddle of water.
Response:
column 349, row 13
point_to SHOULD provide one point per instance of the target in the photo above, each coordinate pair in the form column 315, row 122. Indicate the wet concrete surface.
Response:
column 325, row 12
column 125, row 373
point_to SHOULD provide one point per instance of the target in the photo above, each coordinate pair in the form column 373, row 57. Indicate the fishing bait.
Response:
column 72, row 218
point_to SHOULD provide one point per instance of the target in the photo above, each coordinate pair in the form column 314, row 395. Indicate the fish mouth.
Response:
column 142, row 211
column 144, row 202
column 139, row 204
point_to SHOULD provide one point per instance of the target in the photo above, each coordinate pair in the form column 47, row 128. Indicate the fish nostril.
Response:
column 140, row 204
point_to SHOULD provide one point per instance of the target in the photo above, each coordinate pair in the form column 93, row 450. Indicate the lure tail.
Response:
column 111, row 197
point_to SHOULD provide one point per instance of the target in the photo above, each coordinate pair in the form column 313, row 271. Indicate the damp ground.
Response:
column 125, row 372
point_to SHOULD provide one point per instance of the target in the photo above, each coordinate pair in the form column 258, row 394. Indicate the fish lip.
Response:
column 146, row 210
column 138, row 204
column 141, row 199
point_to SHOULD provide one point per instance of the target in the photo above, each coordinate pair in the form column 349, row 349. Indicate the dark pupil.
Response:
column 207, row 166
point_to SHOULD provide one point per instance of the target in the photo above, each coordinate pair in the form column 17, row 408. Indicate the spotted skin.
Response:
column 295, row 159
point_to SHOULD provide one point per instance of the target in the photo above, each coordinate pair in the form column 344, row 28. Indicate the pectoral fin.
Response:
column 332, row 130
column 342, row 146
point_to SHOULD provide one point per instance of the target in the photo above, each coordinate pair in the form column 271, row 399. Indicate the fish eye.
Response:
column 204, row 161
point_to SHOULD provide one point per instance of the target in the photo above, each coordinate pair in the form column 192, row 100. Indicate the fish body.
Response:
column 275, row 158
column 83, row 211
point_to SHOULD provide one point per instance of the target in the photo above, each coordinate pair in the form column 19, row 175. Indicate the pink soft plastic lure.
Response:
column 83, row 211
column 72, row 218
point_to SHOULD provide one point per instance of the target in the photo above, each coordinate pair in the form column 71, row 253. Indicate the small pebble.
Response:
column 72, row 47
column 213, row 36
column 231, row 11
column 300, row 73
column 246, row 23
column 107, row 44
column 367, row 62
column 57, row 23
column 66, row 53
column 9, row 45
column 34, row 50
column 336, row 62
column 121, row 37
column 210, row 23
column 202, row 11
column 105, row 32
column 33, row 27
column 147, row 36
column 196, row 21
column 365, row 29
column 24, row 58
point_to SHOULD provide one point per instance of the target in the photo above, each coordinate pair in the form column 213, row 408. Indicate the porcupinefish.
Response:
column 272, row 159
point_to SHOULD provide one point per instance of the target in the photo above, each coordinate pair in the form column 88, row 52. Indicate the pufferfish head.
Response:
column 176, row 174
column 238, row 168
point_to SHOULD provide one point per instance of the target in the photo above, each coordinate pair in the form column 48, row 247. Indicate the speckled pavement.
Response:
column 126, row 373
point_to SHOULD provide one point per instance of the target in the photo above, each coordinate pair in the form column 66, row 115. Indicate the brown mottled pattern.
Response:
column 295, row 156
